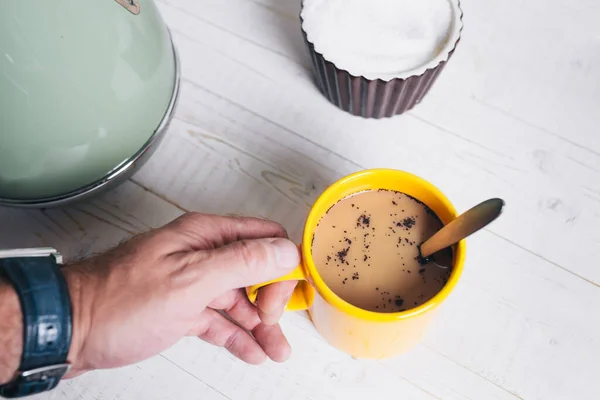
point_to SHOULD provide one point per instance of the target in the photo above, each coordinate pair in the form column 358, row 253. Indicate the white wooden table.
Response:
column 514, row 115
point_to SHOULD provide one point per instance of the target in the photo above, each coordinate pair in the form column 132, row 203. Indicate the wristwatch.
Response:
column 46, row 306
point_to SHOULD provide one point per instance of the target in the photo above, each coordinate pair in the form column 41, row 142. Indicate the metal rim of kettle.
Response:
column 121, row 172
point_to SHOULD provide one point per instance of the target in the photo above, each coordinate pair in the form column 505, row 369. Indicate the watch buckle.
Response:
column 32, row 252
column 56, row 371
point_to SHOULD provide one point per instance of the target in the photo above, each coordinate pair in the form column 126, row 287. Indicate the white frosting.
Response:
column 383, row 39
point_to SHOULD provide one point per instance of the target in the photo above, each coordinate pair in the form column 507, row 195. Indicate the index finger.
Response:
column 205, row 231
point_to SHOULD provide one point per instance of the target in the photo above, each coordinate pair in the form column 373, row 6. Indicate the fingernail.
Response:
column 287, row 254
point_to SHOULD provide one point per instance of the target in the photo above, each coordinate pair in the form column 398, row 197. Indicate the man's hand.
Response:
column 140, row 298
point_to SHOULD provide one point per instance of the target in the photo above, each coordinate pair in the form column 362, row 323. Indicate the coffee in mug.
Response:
column 365, row 248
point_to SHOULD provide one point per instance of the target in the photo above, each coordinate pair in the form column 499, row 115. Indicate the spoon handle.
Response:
column 467, row 223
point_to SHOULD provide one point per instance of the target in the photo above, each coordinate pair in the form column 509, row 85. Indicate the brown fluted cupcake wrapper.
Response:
column 368, row 98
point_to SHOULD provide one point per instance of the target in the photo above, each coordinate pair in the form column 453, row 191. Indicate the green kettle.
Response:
column 87, row 90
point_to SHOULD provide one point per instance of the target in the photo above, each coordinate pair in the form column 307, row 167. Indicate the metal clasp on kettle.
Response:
column 132, row 5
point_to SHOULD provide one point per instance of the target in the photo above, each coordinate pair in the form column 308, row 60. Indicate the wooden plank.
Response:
column 244, row 169
column 527, row 327
column 237, row 139
column 315, row 372
column 462, row 164
column 86, row 228
column 154, row 379
column 504, row 60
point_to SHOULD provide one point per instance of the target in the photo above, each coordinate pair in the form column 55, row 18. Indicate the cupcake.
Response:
column 378, row 58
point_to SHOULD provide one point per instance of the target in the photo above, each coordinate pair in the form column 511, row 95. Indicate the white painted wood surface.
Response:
column 514, row 115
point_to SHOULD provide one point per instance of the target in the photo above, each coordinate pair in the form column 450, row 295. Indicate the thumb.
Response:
column 249, row 262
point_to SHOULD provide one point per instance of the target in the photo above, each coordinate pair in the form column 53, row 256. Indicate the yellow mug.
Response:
column 358, row 332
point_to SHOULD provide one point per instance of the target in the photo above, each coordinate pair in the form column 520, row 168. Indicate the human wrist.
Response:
column 11, row 331
column 80, row 293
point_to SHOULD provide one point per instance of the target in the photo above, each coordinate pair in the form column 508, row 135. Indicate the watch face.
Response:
column 37, row 252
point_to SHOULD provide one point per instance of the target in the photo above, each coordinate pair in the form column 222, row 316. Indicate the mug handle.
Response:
column 303, row 294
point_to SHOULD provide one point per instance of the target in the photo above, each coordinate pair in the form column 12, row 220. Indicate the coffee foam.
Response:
column 383, row 39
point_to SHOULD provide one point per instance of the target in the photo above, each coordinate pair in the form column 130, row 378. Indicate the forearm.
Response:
column 11, row 331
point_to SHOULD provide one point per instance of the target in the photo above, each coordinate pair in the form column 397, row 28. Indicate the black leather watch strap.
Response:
column 46, row 308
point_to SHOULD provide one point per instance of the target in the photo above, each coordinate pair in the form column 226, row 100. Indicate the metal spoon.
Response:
column 464, row 225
